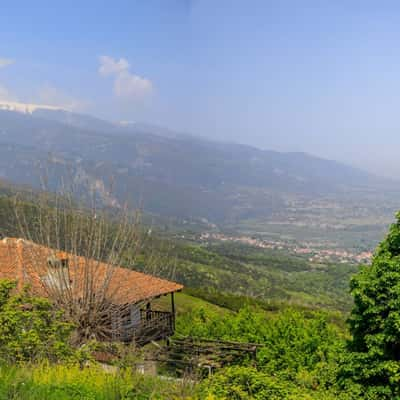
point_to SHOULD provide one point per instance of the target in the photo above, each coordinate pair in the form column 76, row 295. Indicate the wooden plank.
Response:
column 173, row 311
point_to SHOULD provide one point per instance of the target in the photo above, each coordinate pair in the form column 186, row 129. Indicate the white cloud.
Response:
column 5, row 61
column 109, row 66
column 126, row 84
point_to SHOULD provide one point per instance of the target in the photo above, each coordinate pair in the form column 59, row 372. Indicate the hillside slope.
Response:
column 170, row 175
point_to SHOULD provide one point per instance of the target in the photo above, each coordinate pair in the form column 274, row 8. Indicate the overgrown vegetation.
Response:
column 30, row 328
column 68, row 382
column 374, row 358
column 295, row 310
column 269, row 276
column 299, row 349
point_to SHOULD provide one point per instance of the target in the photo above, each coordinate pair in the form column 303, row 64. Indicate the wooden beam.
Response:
column 173, row 310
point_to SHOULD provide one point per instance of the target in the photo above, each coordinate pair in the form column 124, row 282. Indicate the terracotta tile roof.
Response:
column 27, row 263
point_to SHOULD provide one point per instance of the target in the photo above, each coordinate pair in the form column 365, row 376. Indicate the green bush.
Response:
column 242, row 383
column 30, row 328
column 245, row 383
column 300, row 347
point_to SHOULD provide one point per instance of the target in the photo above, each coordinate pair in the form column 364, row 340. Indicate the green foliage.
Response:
column 296, row 346
column 231, row 301
column 301, row 354
column 8, row 220
column 257, row 256
column 374, row 360
column 69, row 382
column 302, row 350
column 235, row 302
column 268, row 275
column 30, row 329
column 246, row 383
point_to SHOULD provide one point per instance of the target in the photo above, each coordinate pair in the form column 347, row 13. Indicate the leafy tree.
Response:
column 30, row 329
column 374, row 361
column 246, row 383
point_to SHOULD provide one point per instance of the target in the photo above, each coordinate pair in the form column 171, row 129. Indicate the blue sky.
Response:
column 315, row 76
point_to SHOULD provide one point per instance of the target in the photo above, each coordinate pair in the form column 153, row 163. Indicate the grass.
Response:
column 185, row 303
column 62, row 382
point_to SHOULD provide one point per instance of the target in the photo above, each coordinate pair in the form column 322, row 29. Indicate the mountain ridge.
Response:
column 171, row 175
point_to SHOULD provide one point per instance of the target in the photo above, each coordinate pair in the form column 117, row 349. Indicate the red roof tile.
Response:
column 26, row 262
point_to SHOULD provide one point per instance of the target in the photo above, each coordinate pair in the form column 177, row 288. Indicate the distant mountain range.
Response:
column 167, row 173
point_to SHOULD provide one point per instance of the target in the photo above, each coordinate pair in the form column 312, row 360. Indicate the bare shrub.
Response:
column 73, row 248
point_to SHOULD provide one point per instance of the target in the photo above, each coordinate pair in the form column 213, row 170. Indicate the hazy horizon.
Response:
column 318, row 77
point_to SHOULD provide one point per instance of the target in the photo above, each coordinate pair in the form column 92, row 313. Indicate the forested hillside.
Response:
column 294, row 311
column 171, row 175
column 272, row 276
column 268, row 275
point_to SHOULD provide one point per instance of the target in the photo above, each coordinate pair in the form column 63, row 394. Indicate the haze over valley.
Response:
column 290, row 200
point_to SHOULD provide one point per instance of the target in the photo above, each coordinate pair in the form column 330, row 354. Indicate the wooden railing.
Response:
column 154, row 325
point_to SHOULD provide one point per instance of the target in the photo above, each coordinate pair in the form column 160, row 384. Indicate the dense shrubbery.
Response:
column 306, row 357
column 245, row 383
column 302, row 357
column 236, row 302
column 297, row 346
column 306, row 354
column 30, row 328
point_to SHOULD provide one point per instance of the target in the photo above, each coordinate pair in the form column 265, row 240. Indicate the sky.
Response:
column 321, row 77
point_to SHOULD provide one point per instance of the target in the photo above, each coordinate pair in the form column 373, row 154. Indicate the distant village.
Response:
column 313, row 253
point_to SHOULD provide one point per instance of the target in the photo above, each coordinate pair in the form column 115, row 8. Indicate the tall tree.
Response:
column 375, row 321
